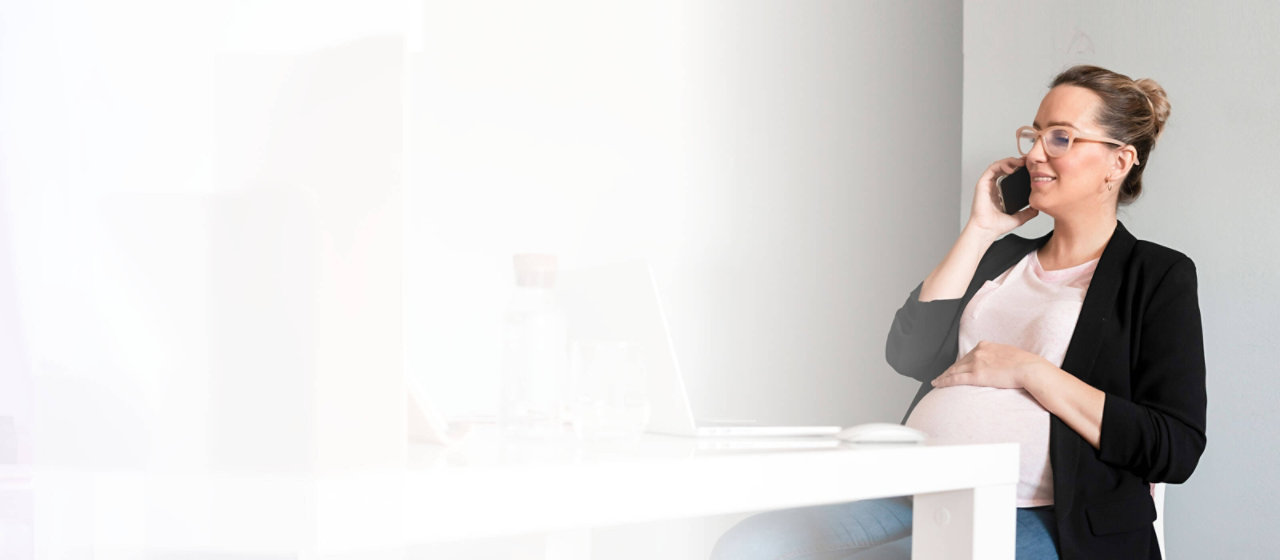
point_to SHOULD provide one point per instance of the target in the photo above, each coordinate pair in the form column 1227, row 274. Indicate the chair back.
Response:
column 1157, row 494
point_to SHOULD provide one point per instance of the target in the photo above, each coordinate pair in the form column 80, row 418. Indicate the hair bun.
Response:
column 1159, row 102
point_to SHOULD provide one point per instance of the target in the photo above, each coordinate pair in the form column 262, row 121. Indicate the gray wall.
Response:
column 827, row 214
column 768, row 159
column 1207, row 194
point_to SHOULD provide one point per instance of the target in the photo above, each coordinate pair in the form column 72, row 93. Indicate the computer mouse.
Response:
column 881, row 432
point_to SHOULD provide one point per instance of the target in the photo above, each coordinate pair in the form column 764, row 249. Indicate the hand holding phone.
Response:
column 1015, row 190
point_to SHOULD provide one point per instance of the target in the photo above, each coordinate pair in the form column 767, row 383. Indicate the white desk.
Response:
column 964, row 497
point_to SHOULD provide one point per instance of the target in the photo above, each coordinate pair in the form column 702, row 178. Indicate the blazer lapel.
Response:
column 1099, row 302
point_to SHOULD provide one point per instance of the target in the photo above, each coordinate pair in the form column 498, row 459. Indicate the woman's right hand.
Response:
column 987, row 213
column 987, row 222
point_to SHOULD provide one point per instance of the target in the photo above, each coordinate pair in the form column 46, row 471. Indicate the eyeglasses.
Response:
column 1057, row 140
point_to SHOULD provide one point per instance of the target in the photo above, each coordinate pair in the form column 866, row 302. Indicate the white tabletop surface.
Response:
column 480, row 488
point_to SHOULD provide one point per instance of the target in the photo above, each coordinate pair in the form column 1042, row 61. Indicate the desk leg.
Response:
column 973, row 524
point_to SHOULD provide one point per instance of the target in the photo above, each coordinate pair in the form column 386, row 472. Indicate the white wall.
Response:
column 1208, row 193
column 788, row 168
column 200, row 230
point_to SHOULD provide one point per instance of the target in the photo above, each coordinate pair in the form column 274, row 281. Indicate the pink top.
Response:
column 1033, row 309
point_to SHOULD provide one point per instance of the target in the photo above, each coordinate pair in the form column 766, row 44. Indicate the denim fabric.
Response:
column 865, row 530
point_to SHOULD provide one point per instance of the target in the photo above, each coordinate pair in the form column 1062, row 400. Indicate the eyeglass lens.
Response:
column 1056, row 141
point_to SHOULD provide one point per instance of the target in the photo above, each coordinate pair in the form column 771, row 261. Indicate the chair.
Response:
column 1157, row 494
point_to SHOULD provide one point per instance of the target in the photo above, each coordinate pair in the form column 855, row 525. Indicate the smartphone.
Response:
column 1015, row 190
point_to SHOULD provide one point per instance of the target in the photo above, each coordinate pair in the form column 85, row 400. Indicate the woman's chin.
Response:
column 1037, row 201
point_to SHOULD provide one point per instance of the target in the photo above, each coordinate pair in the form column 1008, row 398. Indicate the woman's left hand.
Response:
column 992, row 365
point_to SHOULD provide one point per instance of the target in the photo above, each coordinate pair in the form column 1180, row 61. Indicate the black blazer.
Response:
column 1139, row 340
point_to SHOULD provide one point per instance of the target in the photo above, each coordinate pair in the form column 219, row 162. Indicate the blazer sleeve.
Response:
column 1159, row 432
column 920, row 344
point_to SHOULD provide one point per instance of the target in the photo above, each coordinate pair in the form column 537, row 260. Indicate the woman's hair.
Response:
column 1132, row 111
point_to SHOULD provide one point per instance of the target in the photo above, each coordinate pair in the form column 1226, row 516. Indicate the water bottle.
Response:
column 535, row 354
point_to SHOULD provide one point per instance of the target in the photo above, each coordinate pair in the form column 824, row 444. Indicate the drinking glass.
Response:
column 608, row 389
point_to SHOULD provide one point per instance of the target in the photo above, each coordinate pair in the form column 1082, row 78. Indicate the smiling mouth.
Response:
column 1041, row 180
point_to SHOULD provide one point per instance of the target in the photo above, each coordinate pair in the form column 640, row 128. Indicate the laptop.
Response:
column 620, row 302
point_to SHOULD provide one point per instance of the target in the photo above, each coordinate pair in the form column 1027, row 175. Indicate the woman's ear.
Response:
column 1124, row 159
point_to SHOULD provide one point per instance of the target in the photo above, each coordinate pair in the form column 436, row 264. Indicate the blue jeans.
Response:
column 865, row 530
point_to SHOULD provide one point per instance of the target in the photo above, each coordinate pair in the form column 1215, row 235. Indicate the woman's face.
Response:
column 1077, row 180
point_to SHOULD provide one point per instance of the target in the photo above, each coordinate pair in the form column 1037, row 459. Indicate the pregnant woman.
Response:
column 1084, row 346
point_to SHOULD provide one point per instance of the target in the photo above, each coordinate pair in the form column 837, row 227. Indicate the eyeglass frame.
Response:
column 1072, row 136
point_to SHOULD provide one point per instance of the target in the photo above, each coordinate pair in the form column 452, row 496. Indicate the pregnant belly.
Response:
column 968, row 414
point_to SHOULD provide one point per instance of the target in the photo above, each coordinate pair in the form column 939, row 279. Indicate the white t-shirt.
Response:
column 1035, row 310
